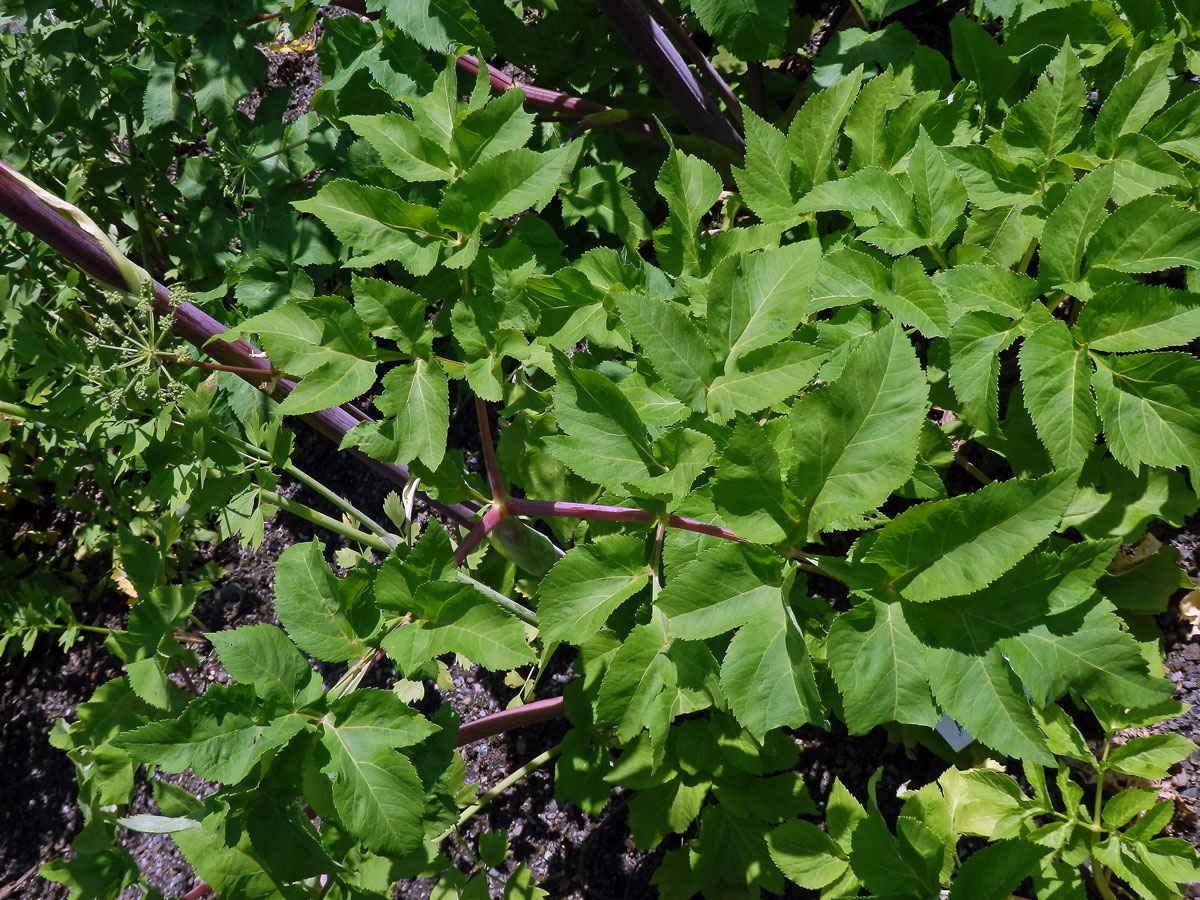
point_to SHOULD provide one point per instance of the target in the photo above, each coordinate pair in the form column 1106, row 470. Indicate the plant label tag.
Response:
column 953, row 733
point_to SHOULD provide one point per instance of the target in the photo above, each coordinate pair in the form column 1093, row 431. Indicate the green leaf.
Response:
column 1045, row 123
column 770, row 183
column 878, row 203
column 1057, row 375
column 438, row 25
column 878, row 666
column 914, row 298
column 415, row 401
column 634, row 681
column 379, row 224
column 806, row 854
column 318, row 609
column 1133, row 100
column 456, row 618
column 1147, row 407
column 376, row 791
column 1142, row 167
column 402, row 148
column 763, row 302
column 690, row 186
column 218, row 736
column 1128, row 317
column 500, row 126
column 605, row 441
column 996, row 870
column 1071, row 225
column 767, row 676
column 724, row 587
column 394, row 313
column 847, row 276
column 1177, row 128
column 1150, row 756
column 976, row 342
column 980, row 59
column 1084, row 650
column 814, row 134
column 502, row 186
column 856, row 440
column 672, row 344
column 907, row 863
column 599, row 197
column 377, row 717
column 262, row 656
column 587, row 585
column 1145, row 235
column 322, row 340
column 748, row 487
column 750, row 29
column 1120, row 809
column 991, row 179
column 979, row 690
column 960, row 545
column 762, row 378
column 938, row 193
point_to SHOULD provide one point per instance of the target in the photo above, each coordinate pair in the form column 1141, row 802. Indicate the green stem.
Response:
column 1101, row 882
column 33, row 415
column 341, row 503
column 509, row 780
column 1028, row 257
column 938, row 256
column 317, row 487
column 506, row 603
column 285, row 149
column 861, row 15
column 971, row 468
column 337, row 526
column 1098, row 870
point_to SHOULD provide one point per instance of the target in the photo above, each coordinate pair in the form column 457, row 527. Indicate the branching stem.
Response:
column 337, row 526
column 503, row 785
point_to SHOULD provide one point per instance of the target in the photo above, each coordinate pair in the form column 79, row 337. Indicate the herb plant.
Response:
column 830, row 404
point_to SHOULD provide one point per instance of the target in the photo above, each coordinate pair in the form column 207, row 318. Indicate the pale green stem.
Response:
column 1028, row 257
column 337, row 526
column 308, row 481
column 509, row 780
column 1097, row 869
column 506, row 603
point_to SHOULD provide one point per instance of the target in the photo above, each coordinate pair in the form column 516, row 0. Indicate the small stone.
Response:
column 1190, row 792
column 1176, row 677
column 1189, row 685
column 1180, row 779
column 1194, row 757
column 1192, row 651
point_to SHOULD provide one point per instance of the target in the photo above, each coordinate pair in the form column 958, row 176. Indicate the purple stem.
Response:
column 191, row 323
column 574, row 107
column 491, row 518
column 499, row 494
column 562, row 509
column 677, row 31
column 668, row 70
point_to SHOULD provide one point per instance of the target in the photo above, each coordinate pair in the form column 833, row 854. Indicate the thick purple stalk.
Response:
column 667, row 69
column 562, row 509
column 191, row 323
column 574, row 108
column 669, row 22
